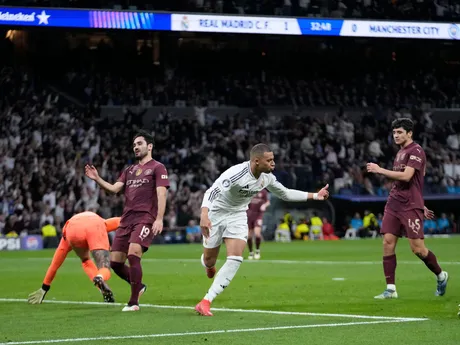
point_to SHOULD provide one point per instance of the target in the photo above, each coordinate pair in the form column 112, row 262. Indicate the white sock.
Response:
column 442, row 276
column 224, row 277
column 391, row 287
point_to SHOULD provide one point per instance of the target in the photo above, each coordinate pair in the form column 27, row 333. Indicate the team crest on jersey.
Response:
column 138, row 172
column 403, row 155
column 148, row 172
column 226, row 183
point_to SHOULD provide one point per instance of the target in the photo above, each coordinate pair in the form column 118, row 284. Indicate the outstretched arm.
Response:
column 59, row 257
column 296, row 195
column 92, row 173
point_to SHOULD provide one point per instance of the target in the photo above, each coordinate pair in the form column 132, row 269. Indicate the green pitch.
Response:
column 299, row 293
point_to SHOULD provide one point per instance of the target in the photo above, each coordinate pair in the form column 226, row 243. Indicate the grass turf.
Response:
column 321, row 278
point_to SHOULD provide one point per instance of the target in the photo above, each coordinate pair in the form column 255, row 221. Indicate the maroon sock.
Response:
column 250, row 244
column 389, row 268
column 432, row 263
column 258, row 240
column 135, row 271
column 121, row 270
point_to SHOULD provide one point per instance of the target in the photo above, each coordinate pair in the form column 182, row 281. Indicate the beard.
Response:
column 140, row 155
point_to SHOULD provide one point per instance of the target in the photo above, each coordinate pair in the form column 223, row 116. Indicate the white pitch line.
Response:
column 224, row 331
column 258, row 262
column 256, row 311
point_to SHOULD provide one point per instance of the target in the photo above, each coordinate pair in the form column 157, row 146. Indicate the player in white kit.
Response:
column 224, row 218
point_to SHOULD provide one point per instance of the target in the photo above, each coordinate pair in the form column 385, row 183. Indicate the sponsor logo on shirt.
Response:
column 415, row 158
column 137, row 182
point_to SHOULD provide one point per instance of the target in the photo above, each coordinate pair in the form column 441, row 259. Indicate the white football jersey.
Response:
column 236, row 186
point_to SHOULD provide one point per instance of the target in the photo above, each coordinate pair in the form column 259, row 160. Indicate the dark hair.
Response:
column 148, row 137
column 404, row 123
column 259, row 150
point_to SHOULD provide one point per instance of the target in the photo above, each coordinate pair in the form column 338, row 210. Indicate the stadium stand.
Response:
column 323, row 123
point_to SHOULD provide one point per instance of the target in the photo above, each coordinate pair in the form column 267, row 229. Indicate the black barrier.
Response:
column 347, row 205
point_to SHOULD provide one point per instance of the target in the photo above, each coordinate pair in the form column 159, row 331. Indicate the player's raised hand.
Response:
column 373, row 168
column 157, row 227
column 428, row 213
column 205, row 225
column 91, row 172
column 323, row 194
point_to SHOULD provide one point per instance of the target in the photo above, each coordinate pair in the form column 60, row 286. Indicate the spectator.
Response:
column 283, row 232
column 50, row 236
column 443, row 225
column 316, row 227
column 429, row 227
column 370, row 225
column 328, row 231
column 193, row 232
column 356, row 224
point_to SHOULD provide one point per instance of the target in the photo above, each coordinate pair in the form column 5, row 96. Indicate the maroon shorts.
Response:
column 135, row 233
column 405, row 223
column 255, row 220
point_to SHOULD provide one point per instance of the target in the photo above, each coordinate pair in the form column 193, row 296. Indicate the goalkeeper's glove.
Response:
column 38, row 296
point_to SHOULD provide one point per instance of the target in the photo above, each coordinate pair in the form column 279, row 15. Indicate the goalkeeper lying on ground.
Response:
column 84, row 233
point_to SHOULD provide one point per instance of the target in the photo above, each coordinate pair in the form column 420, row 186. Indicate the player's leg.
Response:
column 139, row 242
column 119, row 252
column 391, row 230
column 208, row 260
column 102, row 259
column 429, row 259
column 86, row 263
column 211, row 247
column 98, row 243
column 250, row 243
column 414, row 230
column 235, row 249
column 235, row 235
column 258, row 236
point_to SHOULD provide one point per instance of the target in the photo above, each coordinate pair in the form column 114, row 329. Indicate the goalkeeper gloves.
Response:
column 38, row 296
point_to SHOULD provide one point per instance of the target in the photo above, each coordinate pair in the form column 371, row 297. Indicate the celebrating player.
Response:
column 256, row 210
column 85, row 232
column 405, row 210
column 145, row 186
column 224, row 218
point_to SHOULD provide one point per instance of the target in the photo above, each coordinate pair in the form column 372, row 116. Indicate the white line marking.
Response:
column 338, row 279
column 256, row 311
column 224, row 331
column 258, row 262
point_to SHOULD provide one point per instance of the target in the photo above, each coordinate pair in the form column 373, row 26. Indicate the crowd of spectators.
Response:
column 211, row 74
column 44, row 147
column 47, row 139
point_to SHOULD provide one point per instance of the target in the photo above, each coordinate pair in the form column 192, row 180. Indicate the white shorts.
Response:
column 226, row 225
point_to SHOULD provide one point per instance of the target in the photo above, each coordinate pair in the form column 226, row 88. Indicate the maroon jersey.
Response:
column 408, row 195
column 258, row 200
column 141, row 181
